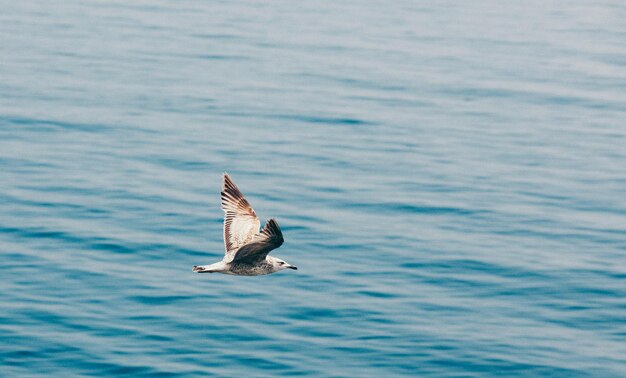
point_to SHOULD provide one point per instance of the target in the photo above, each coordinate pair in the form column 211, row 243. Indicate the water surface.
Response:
column 449, row 179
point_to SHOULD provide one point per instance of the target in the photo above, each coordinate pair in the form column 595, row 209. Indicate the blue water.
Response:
column 450, row 179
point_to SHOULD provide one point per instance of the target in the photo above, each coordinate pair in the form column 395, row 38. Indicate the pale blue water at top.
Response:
column 450, row 179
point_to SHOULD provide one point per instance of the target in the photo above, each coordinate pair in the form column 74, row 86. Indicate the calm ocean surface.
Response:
column 450, row 179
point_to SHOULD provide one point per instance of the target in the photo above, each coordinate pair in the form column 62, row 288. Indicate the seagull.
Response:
column 247, row 249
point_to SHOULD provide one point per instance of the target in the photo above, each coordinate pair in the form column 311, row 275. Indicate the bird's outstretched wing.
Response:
column 240, row 221
column 270, row 238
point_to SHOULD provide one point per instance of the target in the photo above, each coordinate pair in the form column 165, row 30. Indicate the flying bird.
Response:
column 247, row 249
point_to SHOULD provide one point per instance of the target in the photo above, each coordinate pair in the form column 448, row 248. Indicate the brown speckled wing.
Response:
column 240, row 221
column 270, row 238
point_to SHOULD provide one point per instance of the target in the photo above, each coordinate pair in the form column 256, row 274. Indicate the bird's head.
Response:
column 282, row 264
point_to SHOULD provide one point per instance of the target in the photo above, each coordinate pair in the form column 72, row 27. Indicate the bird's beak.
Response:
column 292, row 267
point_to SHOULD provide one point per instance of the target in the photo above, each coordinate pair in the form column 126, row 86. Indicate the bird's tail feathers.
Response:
column 202, row 269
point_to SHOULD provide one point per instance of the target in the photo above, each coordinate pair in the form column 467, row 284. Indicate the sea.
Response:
column 449, row 177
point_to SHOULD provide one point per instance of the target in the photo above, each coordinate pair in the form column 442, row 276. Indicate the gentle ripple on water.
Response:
column 449, row 179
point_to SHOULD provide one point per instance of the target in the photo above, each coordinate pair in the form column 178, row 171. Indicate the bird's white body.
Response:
column 269, row 266
column 246, row 248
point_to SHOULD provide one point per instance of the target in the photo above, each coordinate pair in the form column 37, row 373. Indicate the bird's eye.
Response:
column 281, row 263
